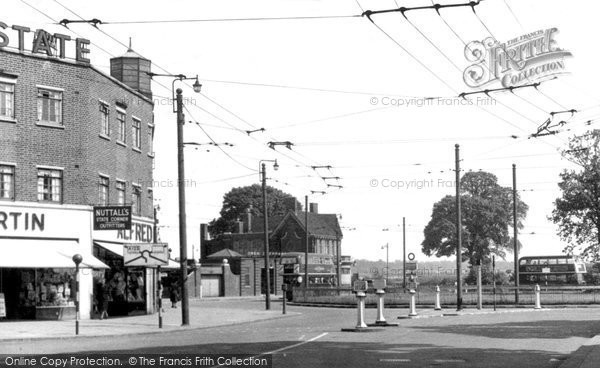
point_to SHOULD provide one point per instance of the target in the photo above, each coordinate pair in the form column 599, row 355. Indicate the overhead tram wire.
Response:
column 167, row 88
column 437, row 7
column 215, row 143
column 249, row 19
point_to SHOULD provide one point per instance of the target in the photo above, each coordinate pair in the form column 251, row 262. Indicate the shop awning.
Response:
column 116, row 248
column 35, row 253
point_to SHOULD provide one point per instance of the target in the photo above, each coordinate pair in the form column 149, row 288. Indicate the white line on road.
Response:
column 284, row 348
column 295, row 345
column 449, row 360
column 395, row 360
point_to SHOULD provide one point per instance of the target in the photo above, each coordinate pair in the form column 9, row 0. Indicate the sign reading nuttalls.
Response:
column 112, row 218
column 43, row 42
column 526, row 59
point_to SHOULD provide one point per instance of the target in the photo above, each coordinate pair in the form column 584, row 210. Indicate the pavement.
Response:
column 517, row 336
column 203, row 313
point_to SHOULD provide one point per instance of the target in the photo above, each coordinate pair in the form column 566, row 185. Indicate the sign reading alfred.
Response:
column 526, row 59
column 112, row 218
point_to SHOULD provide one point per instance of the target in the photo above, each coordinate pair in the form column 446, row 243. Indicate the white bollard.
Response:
column 380, row 317
column 360, row 322
column 437, row 298
column 538, row 303
column 413, row 310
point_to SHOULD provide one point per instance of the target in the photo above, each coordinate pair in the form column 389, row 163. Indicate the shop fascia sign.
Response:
column 44, row 43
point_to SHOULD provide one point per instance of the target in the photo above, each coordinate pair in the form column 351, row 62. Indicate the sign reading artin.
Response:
column 112, row 218
column 53, row 45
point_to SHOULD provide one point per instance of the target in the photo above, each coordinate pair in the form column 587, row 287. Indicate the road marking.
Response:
column 395, row 360
column 449, row 360
column 294, row 345
column 284, row 348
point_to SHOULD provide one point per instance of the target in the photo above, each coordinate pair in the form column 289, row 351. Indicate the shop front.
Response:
column 129, row 290
column 37, row 272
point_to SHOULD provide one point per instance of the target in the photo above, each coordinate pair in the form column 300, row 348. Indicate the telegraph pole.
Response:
column 185, row 311
column 306, row 242
column 458, row 234
column 266, row 240
column 404, row 253
column 515, row 234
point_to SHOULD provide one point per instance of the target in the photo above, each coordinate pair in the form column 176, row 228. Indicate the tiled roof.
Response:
column 321, row 223
column 225, row 253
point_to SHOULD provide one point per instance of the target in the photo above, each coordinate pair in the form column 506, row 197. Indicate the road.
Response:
column 314, row 339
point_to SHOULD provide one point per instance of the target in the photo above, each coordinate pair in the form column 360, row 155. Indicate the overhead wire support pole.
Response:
column 458, row 234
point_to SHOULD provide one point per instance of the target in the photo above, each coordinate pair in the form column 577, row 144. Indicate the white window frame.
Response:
column 11, row 183
column 104, row 118
column 12, row 116
column 122, row 126
column 119, row 191
column 40, row 108
column 151, row 140
column 106, row 200
column 51, row 192
column 136, row 133
column 136, row 206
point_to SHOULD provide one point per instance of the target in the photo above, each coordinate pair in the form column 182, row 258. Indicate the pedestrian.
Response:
column 174, row 294
column 103, row 296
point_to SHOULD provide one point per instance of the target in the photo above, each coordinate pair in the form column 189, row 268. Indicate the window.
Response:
column 7, row 100
column 120, row 192
column 136, row 200
column 122, row 127
column 136, row 133
column 7, row 182
column 104, row 120
column 103, row 186
column 151, row 140
column 49, row 185
column 49, row 106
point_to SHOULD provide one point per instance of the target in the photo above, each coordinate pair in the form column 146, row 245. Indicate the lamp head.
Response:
column 275, row 166
column 77, row 258
column 197, row 86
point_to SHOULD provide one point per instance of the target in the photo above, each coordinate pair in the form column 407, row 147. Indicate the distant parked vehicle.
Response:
column 551, row 270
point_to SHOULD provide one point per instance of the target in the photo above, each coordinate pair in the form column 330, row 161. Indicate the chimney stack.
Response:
column 314, row 208
column 291, row 204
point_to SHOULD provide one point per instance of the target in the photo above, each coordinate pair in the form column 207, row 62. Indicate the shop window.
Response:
column 103, row 191
column 136, row 200
column 136, row 133
column 121, row 116
column 50, row 185
column 7, row 100
column 50, row 106
column 120, row 192
column 104, row 119
column 7, row 182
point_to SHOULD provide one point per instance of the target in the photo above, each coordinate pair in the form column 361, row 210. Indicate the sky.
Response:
column 378, row 105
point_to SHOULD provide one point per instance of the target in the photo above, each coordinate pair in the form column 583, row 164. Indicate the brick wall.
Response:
column 78, row 148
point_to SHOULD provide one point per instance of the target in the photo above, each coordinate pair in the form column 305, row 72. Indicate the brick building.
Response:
column 244, row 251
column 71, row 137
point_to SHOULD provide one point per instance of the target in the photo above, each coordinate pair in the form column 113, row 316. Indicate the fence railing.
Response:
column 551, row 295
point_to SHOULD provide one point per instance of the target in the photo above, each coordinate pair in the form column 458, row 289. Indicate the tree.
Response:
column 238, row 200
column 577, row 212
column 486, row 219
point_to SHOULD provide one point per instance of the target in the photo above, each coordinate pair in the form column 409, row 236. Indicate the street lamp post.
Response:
column 178, row 109
column 387, row 263
column 263, row 171
column 77, row 258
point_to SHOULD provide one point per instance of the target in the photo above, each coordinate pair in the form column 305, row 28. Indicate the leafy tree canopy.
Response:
column 487, row 217
column 577, row 212
column 238, row 200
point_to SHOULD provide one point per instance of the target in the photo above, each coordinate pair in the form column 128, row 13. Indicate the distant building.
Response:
column 244, row 250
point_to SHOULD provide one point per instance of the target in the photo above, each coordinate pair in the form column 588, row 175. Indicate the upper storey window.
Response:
column 7, row 100
column 50, row 106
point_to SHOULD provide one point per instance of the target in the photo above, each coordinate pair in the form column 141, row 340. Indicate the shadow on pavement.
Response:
column 548, row 329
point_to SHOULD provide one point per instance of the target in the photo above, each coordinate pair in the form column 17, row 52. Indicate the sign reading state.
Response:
column 112, row 218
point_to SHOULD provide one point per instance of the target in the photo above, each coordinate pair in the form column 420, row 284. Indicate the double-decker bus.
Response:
column 551, row 270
